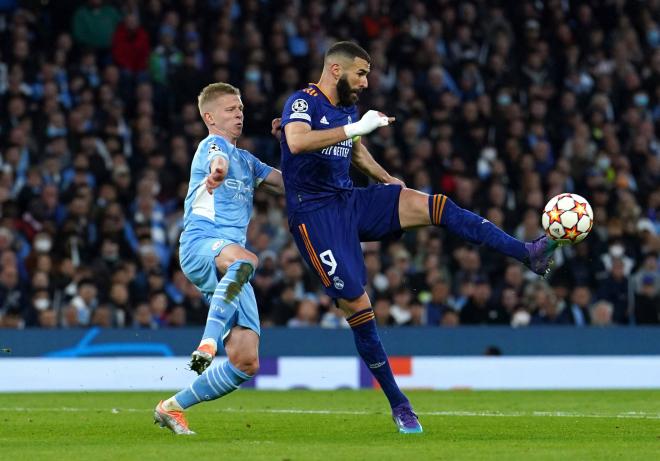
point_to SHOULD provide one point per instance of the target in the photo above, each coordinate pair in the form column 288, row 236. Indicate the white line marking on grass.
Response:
column 498, row 414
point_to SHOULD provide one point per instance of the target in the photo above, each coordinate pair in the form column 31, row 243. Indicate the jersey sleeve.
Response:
column 299, row 107
column 215, row 147
column 260, row 169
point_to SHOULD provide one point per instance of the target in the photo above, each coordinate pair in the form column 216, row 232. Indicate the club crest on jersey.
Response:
column 299, row 105
column 339, row 283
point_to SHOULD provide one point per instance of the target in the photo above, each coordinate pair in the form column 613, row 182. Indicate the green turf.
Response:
column 258, row 425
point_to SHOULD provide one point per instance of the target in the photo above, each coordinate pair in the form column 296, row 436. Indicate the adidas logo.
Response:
column 324, row 121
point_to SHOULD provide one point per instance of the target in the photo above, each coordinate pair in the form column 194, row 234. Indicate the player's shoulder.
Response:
column 309, row 90
column 214, row 144
column 218, row 141
column 246, row 154
column 304, row 97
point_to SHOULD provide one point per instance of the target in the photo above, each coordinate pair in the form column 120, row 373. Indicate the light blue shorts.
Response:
column 197, row 256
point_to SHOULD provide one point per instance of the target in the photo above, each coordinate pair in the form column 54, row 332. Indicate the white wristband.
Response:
column 352, row 129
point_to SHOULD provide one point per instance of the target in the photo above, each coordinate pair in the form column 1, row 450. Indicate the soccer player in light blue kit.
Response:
column 212, row 252
column 329, row 218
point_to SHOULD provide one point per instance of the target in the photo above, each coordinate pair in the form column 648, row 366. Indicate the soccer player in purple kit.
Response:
column 329, row 218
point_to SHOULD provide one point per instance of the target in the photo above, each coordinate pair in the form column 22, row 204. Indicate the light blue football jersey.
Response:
column 225, row 213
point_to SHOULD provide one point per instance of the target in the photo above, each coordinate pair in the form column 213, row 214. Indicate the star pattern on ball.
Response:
column 554, row 214
column 572, row 233
column 580, row 209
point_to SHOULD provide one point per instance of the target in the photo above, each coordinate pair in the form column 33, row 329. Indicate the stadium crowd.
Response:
column 500, row 105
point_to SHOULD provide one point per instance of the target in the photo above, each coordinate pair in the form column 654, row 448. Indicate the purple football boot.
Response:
column 406, row 420
column 540, row 254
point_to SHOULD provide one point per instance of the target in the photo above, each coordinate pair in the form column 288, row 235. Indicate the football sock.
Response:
column 473, row 228
column 212, row 384
column 371, row 350
column 210, row 343
column 224, row 301
column 171, row 405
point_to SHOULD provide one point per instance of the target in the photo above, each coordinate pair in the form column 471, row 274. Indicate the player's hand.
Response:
column 276, row 128
column 393, row 180
column 214, row 179
column 368, row 123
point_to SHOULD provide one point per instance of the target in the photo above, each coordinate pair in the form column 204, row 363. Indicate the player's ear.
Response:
column 336, row 70
column 208, row 118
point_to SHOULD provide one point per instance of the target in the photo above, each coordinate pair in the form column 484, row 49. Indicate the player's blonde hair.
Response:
column 212, row 91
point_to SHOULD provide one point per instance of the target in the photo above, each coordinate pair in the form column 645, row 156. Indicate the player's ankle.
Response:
column 208, row 345
column 171, row 405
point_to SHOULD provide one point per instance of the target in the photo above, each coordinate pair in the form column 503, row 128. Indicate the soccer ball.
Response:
column 567, row 218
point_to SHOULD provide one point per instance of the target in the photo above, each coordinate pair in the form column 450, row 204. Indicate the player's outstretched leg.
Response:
column 444, row 212
column 214, row 383
column 223, row 304
column 372, row 352
column 242, row 347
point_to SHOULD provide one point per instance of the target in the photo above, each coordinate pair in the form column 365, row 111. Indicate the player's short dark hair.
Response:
column 348, row 49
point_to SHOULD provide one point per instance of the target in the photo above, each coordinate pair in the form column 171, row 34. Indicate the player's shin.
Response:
column 214, row 383
column 372, row 352
column 472, row 227
column 225, row 300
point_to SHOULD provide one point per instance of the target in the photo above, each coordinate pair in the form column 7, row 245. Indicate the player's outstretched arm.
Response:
column 364, row 161
column 217, row 173
column 273, row 182
column 301, row 138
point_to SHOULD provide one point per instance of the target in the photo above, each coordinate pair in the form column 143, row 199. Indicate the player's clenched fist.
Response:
column 368, row 123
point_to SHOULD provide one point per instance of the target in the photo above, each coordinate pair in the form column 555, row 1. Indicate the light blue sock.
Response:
column 215, row 382
column 224, row 301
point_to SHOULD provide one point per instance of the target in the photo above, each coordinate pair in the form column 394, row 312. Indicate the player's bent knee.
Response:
column 247, row 363
column 413, row 208
column 249, row 256
column 230, row 255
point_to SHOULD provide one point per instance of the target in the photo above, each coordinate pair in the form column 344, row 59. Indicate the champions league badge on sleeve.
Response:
column 299, row 108
column 214, row 149
column 299, row 105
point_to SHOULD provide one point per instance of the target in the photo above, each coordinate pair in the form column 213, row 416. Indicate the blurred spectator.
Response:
column 85, row 300
column 615, row 289
column 307, row 314
column 601, row 314
column 382, row 307
column 545, row 306
column 94, row 24
column 577, row 312
column 450, row 319
column 647, row 302
column 439, row 302
column 130, row 45
column 480, row 310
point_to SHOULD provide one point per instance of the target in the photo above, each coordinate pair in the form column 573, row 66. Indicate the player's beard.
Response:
column 347, row 95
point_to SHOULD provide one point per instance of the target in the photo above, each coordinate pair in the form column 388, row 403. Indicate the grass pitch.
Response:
column 342, row 425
